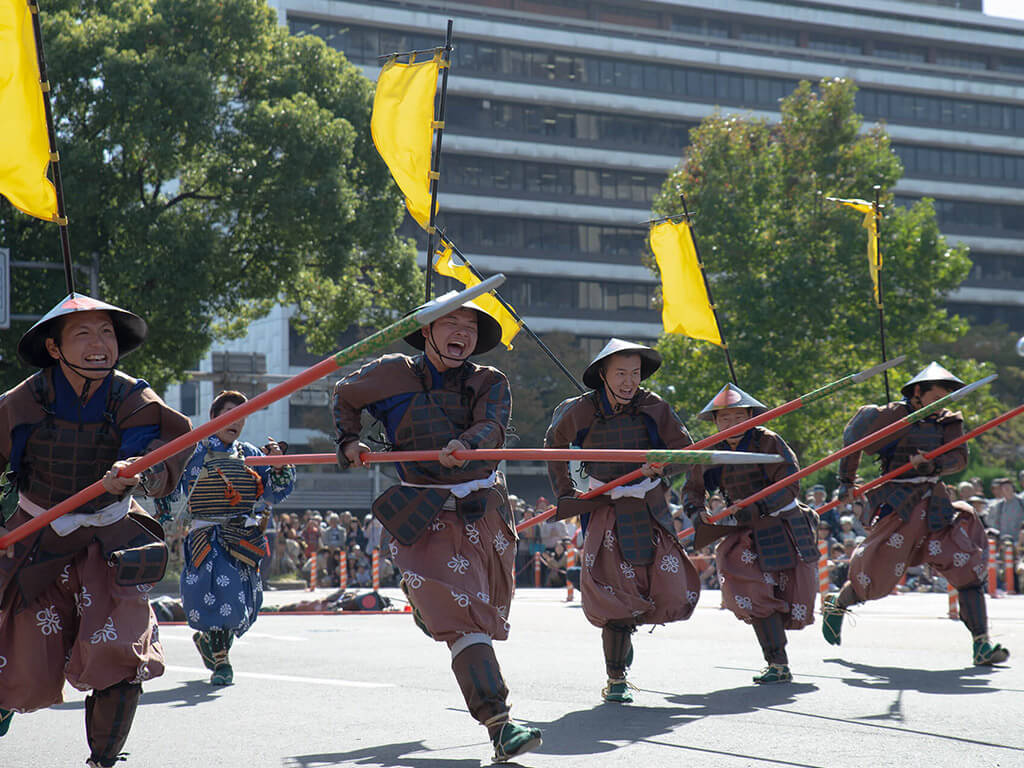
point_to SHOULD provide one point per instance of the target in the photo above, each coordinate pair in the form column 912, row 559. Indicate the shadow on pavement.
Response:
column 188, row 694
column 410, row 754
column 939, row 681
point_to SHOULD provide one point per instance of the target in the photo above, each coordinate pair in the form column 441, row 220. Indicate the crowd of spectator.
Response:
column 293, row 538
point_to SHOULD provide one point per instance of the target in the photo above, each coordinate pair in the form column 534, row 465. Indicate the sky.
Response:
column 1014, row 9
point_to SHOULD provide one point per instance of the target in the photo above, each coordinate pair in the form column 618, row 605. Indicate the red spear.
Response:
column 738, row 429
column 360, row 349
column 864, row 442
column 883, row 479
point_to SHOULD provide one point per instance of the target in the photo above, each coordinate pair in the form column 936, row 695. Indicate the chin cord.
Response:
column 81, row 371
column 440, row 354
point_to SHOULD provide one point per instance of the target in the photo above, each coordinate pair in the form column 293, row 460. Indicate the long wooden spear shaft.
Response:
column 738, row 429
column 360, row 349
column 919, row 415
column 686, row 456
column 944, row 448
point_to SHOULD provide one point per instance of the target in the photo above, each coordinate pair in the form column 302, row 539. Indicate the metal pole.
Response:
column 707, row 288
column 511, row 310
column 44, row 83
column 878, row 273
column 435, row 166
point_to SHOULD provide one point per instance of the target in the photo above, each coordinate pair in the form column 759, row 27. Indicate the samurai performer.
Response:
column 911, row 520
column 451, row 522
column 73, row 595
column 768, row 561
column 221, row 588
column 634, row 568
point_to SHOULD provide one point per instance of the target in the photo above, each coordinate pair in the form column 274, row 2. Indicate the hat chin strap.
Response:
column 439, row 353
column 618, row 400
column 81, row 371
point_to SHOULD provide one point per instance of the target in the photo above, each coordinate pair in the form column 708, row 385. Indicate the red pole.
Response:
column 992, row 574
column 864, row 442
column 351, row 353
column 1008, row 567
column 823, row 579
column 312, row 571
column 536, row 569
column 376, row 568
column 342, row 569
column 570, row 561
column 860, row 491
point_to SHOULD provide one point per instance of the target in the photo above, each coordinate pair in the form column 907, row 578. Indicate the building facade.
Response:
column 565, row 116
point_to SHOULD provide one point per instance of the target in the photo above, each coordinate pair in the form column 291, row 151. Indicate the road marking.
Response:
column 329, row 681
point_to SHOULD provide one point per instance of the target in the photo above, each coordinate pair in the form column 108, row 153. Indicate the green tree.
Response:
column 215, row 165
column 789, row 269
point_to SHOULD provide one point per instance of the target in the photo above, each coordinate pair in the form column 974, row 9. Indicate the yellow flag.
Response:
column 871, row 225
column 24, row 144
column 402, row 125
column 443, row 266
column 685, row 306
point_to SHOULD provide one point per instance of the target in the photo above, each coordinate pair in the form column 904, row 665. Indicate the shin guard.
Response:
column 618, row 649
column 771, row 635
column 479, row 676
column 973, row 611
column 108, row 718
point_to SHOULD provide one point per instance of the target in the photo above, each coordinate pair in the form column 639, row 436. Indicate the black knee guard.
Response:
column 973, row 611
column 771, row 635
column 847, row 596
column 479, row 676
column 108, row 718
column 618, row 648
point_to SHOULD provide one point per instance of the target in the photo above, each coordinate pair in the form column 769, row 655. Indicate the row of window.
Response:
column 961, row 164
column 702, row 85
column 507, row 236
column 510, row 119
column 969, row 218
column 996, row 270
column 547, row 294
column 460, row 173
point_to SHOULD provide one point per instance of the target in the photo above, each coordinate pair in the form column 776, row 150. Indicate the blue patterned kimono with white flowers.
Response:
column 220, row 582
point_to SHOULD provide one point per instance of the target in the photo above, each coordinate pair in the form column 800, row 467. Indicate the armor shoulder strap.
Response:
column 41, row 385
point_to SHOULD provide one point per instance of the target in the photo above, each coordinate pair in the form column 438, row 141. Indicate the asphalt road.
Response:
column 318, row 691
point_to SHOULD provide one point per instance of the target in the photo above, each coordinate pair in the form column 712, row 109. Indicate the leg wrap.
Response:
column 108, row 718
column 220, row 641
column 973, row 611
column 479, row 676
column 771, row 634
column 847, row 596
column 618, row 648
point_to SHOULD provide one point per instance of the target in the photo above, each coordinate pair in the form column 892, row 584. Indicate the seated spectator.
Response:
column 846, row 532
column 1006, row 515
column 557, row 561
column 838, row 565
column 964, row 490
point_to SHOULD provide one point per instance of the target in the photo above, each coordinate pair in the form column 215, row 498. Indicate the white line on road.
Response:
column 330, row 681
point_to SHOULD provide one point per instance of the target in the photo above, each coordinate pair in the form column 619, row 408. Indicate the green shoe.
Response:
column 6, row 715
column 987, row 654
column 832, row 620
column 617, row 691
column 202, row 643
column 222, row 675
column 513, row 740
column 774, row 673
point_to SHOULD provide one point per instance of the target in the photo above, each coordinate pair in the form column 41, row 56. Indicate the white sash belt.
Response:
column 73, row 521
column 631, row 491
column 461, row 490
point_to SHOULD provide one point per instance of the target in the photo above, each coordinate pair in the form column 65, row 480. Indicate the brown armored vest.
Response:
column 433, row 419
column 623, row 431
column 628, row 430
column 63, row 457
column 926, row 435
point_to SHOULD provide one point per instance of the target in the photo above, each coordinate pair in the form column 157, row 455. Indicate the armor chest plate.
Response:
column 741, row 480
column 925, row 435
column 622, row 431
column 226, row 487
column 429, row 423
column 62, row 457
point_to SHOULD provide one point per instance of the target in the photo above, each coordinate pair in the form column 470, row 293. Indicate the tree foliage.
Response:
column 215, row 165
column 789, row 269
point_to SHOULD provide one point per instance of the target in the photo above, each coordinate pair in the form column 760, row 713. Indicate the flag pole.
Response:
column 44, row 83
column 435, row 165
column 511, row 310
column 877, row 210
column 707, row 288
